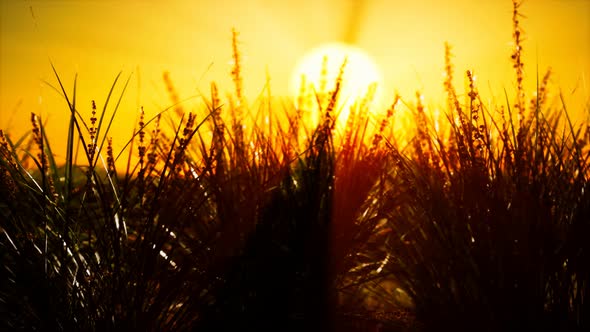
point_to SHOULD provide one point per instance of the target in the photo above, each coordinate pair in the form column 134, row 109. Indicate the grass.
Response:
column 479, row 222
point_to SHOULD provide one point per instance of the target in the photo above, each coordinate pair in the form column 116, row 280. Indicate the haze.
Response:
column 192, row 40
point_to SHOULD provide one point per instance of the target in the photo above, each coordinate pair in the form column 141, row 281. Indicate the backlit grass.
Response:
column 246, row 217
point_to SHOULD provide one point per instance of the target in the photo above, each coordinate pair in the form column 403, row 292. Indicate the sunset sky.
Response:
column 192, row 40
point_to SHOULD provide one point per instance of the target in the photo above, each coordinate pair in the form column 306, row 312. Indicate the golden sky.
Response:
column 192, row 40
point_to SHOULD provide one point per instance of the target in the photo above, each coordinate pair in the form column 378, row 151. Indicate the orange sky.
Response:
column 192, row 40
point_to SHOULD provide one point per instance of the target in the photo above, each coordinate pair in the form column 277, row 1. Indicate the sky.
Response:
column 192, row 41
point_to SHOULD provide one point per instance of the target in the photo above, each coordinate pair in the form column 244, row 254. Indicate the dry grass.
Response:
column 225, row 220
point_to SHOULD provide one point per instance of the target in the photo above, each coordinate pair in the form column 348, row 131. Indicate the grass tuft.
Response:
column 244, row 216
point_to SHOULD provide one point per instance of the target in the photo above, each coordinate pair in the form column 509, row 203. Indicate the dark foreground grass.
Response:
column 479, row 224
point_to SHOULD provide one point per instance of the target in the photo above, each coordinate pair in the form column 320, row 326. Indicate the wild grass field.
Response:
column 478, row 220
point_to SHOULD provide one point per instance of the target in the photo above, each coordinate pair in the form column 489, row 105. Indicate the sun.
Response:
column 360, row 73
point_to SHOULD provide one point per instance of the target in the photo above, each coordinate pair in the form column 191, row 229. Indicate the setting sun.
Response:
column 143, row 39
column 360, row 74
column 296, row 165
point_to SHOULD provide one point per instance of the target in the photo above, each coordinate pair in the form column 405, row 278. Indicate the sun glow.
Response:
column 316, row 73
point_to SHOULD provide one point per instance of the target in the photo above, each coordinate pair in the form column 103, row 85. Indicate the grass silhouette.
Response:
column 479, row 222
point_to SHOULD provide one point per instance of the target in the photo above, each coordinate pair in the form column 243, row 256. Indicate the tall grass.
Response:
column 225, row 220
column 488, row 224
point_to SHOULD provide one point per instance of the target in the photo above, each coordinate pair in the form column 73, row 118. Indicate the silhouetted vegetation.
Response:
column 475, row 221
